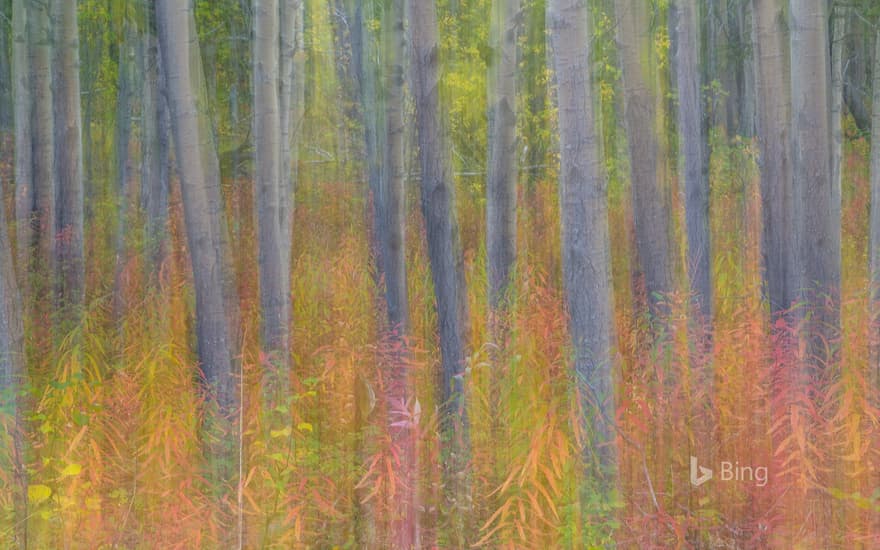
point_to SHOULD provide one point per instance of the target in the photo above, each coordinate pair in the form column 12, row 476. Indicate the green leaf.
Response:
column 38, row 493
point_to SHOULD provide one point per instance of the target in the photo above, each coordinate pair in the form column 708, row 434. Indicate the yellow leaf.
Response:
column 304, row 427
column 38, row 493
column 71, row 470
column 280, row 433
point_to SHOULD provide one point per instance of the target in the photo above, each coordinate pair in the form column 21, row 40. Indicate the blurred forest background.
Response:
column 439, row 273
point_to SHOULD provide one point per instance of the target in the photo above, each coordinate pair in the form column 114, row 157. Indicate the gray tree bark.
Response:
column 269, row 186
column 874, row 235
column 290, row 77
column 22, row 100
column 68, row 161
column 13, row 375
column 394, row 173
column 6, row 94
column 774, row 115
column 838, row 41
column 650, row 195
column 694, row 140
column 816, row 201
column 43, row 214
column 447, row 269
column 216, row 311
column 202, row 215
column 405, row 525
column 502, row 170
column 585, row 240
column 126, row 85
column 156, row 159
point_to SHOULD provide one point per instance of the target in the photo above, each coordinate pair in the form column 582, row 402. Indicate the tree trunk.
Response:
column 274, row 282
column 405, row 523
column 6, row 93
column 42, row 125
column 125, row 104
column 777, row 193
column 374, row 131
column 68, row 162
column 586, row 245
column 22, row 100
column 394, row 174
column 444, row 251
column 13, row 375
column 156, row 159
column 203, row 211
column 694, row 140
column 816, row 201
column 838, row 39
column 875, row 217
column 650, row 196
column 502, row 172
column 290, row 127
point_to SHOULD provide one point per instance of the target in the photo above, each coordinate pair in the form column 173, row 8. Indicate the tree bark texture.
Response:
column 502, row 174
column 777, row 191
column 694, row 146
column 585, row 239
column 68, row 161
column 650, row 194
column 445, row 254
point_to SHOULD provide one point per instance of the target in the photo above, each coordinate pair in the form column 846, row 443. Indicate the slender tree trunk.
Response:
column 502, row 177
column 650, row 195
column 299, row 96
column 838, row 41
column 6, row 93
column 156, row 159
column 125, row 91
column 215, row 339
column 405, row 523
column 875, row 217
column 694, row 138
column 274, row 293
column 290, row 128
column 816, row 201
column 748, row 121
column 203, row 211
column 372, row 103
column 68, row 162
column 22, row 99
column 394, row 174
column 777, row 192
column 13, row 375
column 586, row 245
column 42, row 125
column 444, row 251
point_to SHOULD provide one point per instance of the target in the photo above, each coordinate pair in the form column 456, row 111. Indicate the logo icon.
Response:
column 705, row 474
